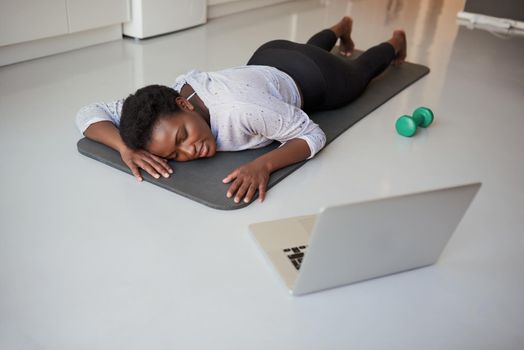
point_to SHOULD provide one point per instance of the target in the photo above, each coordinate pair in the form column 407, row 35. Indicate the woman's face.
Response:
column 182, row 136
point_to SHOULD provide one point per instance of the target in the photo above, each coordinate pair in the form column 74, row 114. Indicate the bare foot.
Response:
column 398, row 40
column 343, row 30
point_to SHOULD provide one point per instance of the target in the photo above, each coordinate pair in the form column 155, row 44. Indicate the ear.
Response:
column 183, row 103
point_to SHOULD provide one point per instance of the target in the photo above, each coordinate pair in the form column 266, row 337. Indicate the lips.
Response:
column 203, row 150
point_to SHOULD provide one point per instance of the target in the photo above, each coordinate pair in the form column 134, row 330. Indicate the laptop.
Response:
column 348, row 243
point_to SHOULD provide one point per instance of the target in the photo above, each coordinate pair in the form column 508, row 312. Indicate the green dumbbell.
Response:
column 407, row 126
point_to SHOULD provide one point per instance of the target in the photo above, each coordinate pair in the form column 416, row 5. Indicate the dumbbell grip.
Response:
column 423, row 117
column 418, row 119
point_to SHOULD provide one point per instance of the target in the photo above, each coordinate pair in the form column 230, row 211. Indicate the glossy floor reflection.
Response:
column 91, row 259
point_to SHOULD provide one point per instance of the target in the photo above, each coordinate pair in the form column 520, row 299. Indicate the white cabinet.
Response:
column 155, row 17
column 24, row 20
column 36, row 28
column 89, row 14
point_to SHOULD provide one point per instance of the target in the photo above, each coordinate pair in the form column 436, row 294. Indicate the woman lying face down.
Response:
column 243, row 107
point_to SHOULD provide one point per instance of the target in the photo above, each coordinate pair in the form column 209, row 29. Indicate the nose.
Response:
column 188, row 150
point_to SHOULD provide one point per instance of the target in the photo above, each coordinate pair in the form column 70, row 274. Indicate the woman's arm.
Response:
column 99, row 111
column 107, row 133
column 301, row 139
column 254, row 175
column 293, row 151
column 98, row 122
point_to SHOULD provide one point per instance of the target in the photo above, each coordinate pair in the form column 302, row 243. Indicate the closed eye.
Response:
column 177, row 141
column 179, row 136
column 171, row 156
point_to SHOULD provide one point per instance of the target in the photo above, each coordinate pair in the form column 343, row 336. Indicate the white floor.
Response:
column 91, row 259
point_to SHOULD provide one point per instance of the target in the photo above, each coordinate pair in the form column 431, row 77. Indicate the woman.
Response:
column 242, row 107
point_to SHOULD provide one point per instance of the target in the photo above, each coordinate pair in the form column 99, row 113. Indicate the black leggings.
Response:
column 326, row 80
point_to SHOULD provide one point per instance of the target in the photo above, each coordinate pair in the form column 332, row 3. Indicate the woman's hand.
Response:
column 154, row 165
column 249, row 178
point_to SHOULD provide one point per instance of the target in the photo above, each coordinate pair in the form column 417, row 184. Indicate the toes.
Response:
column 398, row 61
column 347, row 47
column 346, row 52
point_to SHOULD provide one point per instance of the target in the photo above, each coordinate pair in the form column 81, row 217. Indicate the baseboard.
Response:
column 38, row 48
column 219, row 10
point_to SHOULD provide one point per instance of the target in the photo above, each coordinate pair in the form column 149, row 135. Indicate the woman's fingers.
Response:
column 159, row 166
column 241, row 188
column 250, row 192
column 230, row 176
column 151, row 163
column 241, row 191
column 135, row 171
column 147, row 167
column 261, row 192
column 233, row 188
column 163, row 162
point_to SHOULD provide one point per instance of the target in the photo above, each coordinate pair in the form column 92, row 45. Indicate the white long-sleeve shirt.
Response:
column 249, row 107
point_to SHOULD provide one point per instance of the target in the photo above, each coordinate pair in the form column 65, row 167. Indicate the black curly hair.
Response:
column 142, row 110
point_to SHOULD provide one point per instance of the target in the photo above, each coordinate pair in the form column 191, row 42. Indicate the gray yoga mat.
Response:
column 201, row 179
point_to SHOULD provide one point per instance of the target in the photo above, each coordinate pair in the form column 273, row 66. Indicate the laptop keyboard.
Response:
column 295, row 255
